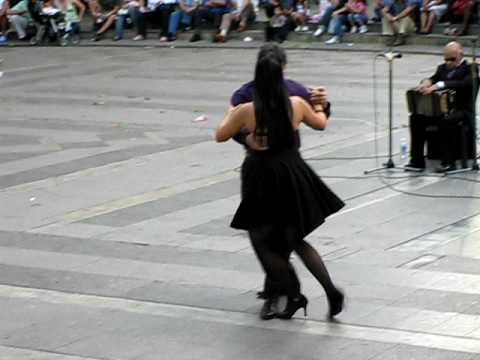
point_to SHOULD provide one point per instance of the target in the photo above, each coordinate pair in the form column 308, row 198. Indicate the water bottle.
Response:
column 403, row 148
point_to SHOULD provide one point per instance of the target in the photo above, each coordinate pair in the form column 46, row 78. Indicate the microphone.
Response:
column 390, row 55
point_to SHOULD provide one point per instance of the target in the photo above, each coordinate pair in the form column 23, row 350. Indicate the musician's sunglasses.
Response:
column 450, row 59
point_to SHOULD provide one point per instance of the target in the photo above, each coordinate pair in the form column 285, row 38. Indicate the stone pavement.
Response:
column 299, row 42
column 115, row 205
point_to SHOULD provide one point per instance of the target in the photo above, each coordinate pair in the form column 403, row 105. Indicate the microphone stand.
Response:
column 390, row 56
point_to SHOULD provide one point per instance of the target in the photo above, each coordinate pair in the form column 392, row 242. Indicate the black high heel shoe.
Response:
column 293, row 304
column 268, row 309
column 336, row 303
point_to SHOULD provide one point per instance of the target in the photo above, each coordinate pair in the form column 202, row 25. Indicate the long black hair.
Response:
column 273, row 110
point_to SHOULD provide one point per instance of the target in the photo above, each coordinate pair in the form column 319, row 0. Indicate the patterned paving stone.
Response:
column 115, row 206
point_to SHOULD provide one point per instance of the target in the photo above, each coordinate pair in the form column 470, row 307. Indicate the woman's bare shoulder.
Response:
column 298, row 104
column 297, row 101
column 297, row 108
column 244, row 108
column 244, row 113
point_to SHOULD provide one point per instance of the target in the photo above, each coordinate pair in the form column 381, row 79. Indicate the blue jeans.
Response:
column 175, row 18
column 327, row 16
column 120, row 21
column 340, row 21
column 357, row 19
column 74, row 27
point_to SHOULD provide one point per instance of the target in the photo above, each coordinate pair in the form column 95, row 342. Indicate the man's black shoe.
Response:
column 446, row 168
column 195, row 37
column 414, row 167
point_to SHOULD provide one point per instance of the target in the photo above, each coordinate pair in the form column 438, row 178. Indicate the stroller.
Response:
column 51, row 25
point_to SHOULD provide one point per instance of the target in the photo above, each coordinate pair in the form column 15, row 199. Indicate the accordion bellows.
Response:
column 434, row 104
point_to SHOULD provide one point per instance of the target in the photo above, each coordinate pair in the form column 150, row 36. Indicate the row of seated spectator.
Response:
column 168, row 14
column 27, row 17
column 399, row 17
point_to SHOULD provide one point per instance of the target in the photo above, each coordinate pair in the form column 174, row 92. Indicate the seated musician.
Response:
column 454, row 74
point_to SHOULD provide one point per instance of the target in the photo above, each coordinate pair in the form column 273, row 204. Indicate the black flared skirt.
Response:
column 281, row 189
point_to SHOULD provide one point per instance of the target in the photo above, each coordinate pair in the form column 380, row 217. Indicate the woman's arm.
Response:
column 80, row 7
column 216, row 3
column 93, row 7
column 113, row 11
column 339, row 11
column 350, row 5
column 232, row 123
column 314, row 118
column 183, row 6
column 245, row 4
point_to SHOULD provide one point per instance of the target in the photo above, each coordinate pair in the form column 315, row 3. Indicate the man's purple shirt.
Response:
column 245, row 93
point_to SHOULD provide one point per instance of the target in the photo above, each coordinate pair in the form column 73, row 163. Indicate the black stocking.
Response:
column 314, row 263
column 272, row 289
column 274, row 264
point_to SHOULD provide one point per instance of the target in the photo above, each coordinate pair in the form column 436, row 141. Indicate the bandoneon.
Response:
column 435, row 104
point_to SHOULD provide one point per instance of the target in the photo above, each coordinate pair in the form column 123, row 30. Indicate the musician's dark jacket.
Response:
column 460, row 80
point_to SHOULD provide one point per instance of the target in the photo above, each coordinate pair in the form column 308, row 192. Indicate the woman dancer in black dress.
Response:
column 283, row 200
